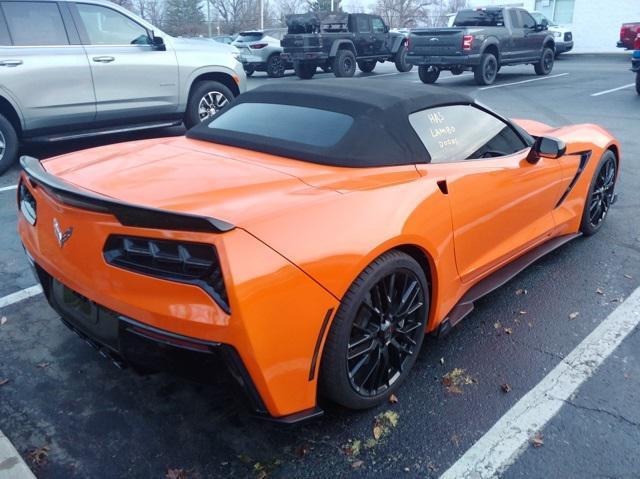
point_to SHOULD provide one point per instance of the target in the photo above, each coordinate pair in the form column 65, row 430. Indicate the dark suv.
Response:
column 340, row 41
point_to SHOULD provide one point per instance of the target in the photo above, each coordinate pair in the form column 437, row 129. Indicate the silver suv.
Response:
column 260, row 51
column 70, row 69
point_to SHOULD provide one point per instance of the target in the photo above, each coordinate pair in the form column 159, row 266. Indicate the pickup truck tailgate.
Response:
column 435, row 41
column 302, row 41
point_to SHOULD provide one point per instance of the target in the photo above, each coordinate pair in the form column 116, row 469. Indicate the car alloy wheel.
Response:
column 3, row 145
column 385, row 332
column 210, row 104
column 603, row 192
column 547, row 61
column 490, row 70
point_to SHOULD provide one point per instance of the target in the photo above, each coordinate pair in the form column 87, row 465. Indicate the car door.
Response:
column 379, row 30
column 364, row 38
column 518, row 41
column 533, row 37
column 133, row 79
column 501, row 204
column 43, row 67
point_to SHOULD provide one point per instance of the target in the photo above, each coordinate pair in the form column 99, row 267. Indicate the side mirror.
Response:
column 158, row 43
column 546, row 147
column 544, row 23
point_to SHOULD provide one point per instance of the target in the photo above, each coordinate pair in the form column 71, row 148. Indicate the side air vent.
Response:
column 191, row 263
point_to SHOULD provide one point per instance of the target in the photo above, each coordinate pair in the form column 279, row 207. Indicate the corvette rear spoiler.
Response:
column 127, row 214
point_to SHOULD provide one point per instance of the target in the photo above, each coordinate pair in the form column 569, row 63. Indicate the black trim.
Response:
column 584, row 159
column 316, row 349
column 499, row 278
column 127, row 214
column 239, row 372
column 296, row 417
column 69, row 24
column 442, row 184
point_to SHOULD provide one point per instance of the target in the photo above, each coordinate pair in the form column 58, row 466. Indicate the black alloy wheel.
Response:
column 601, row 194
column 275, row 66
column 344, row 64
column 377, row 332
column 545, row 65
column 428, row 73
column 384, row 333
column 485, row 73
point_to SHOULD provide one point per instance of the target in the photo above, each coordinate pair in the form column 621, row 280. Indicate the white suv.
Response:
column 75, row 68
column 562, row 35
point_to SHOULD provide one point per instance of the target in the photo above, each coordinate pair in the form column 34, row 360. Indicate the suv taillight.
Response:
column 258, row 46
column 467, row 42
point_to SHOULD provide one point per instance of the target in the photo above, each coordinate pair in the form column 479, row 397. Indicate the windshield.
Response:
column 249, row 36
column 538, row 17
column 479, row 18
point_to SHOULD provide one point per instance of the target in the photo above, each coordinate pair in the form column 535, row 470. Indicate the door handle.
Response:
column 10, row 63
column 104, row 59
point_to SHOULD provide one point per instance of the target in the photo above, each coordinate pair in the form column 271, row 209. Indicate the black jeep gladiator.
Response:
column 482, row 40
column 340, row 41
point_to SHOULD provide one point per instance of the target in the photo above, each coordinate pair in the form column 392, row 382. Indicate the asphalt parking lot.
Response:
column 70, row 413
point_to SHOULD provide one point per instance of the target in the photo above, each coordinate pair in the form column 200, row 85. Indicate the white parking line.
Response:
column 8, row 188
column 12, row 466
column 613, row 89
column 524, row 81
column 20, row 295
column 505, row 441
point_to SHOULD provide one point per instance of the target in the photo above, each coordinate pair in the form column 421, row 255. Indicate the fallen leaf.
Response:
column 446, row 381
column 522, row 312
column 43, row 365
column 628, row 276
column 176, row 474
column 497, row 325
column 574, row 315
column 393, row 399
column 521, row 292
column 4, row 381
column 508, row 330
column 353, row 448
column 537, row 440
column 506, row 387
column 357, row 464
column 454, row 390
column 406, row 469
column 370, row 443
column 530, row 324
column 442, row 361
column 455, row 439
column 302, row 450
column 377, row 432
column 432, row 467
column 3, row 320
column 600, row 291
column 38, row 456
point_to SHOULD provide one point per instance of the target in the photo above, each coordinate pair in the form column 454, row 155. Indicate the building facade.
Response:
column 595, row 24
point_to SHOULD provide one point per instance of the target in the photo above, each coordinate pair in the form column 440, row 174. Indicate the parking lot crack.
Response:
column 619, row 417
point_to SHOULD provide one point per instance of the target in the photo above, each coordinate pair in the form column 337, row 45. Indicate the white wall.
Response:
column 596, row 23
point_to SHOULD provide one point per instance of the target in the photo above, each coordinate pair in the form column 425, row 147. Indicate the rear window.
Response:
column 298, row 124
column 479, row 18
column 35, row 23
column 249, row 36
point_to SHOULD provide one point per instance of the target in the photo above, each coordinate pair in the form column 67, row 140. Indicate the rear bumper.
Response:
column 444, row 61
column 624, row 44
column 276, row 312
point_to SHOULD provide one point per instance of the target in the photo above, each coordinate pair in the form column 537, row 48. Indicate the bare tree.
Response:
column 150, row 10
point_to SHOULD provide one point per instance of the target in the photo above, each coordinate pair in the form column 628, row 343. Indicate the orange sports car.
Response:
column 308, row 236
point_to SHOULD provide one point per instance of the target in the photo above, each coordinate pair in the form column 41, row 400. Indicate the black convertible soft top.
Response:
column 379, row 135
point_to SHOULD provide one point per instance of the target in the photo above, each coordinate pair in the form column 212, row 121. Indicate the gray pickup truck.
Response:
column 482, row 40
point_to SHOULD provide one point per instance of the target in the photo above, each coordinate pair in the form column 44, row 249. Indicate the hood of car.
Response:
column 201, row 44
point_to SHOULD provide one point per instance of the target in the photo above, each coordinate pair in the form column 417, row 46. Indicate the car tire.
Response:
column 249, row 71
column 367, row 66
column 457, row 71
column 545, row 65
column 8, row 144
column 638, row 83
column 212, row 96
column 485, row 73
column 305, row 71
column 428, row 73
column 392, row 335
column 344, row 64
column 401, row 60
column 275, row 66
column 601, row 194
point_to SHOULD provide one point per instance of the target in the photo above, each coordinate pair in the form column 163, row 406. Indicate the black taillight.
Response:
column 192, row 263
column 27, row 203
